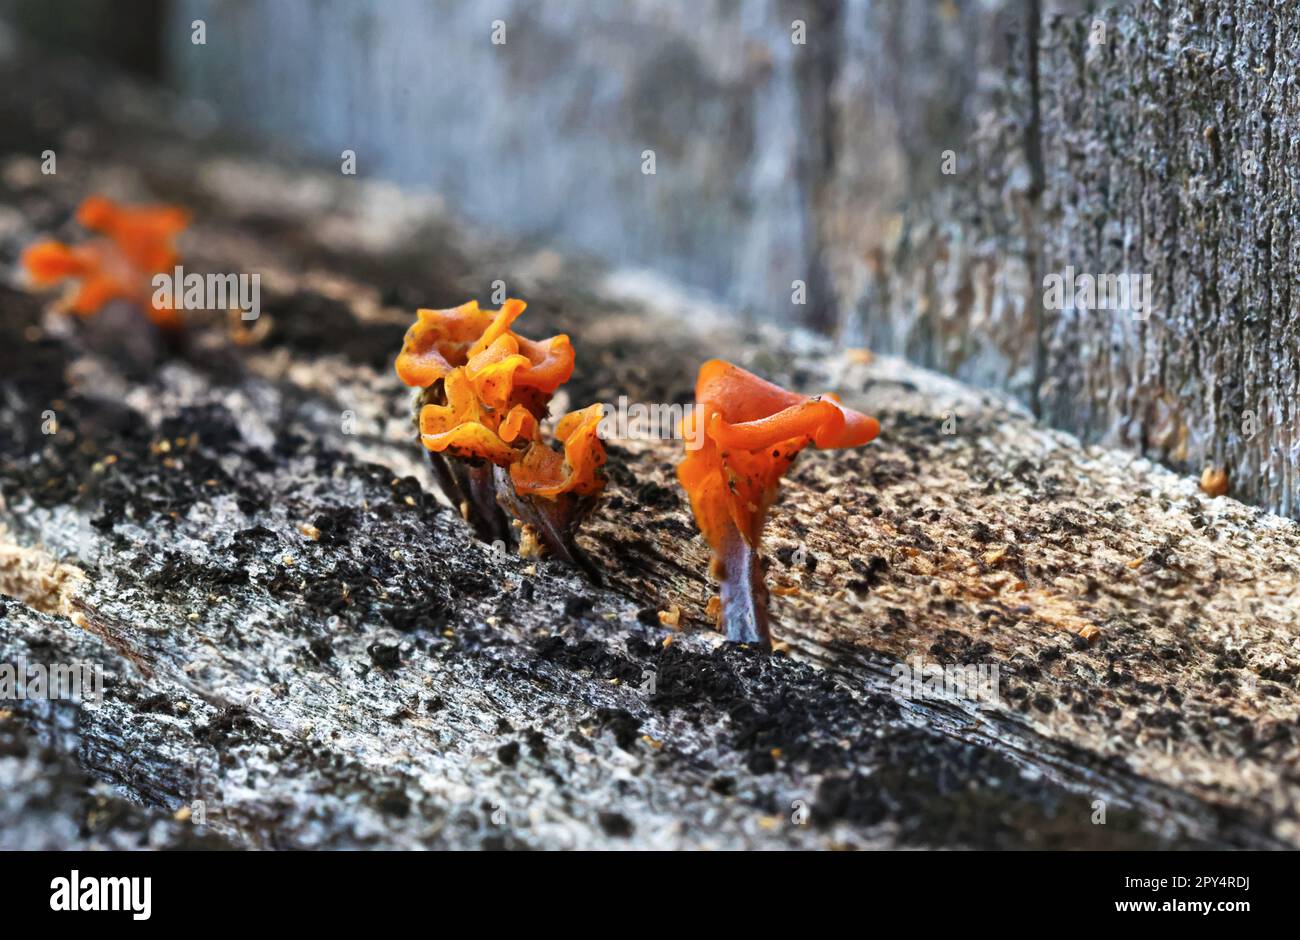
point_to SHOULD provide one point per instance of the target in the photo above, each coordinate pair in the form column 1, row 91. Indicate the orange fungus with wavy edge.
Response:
column 543, row 472
column 496, row 386
column 439, row 341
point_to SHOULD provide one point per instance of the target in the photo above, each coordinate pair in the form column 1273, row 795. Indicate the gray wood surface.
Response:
column 391, row 682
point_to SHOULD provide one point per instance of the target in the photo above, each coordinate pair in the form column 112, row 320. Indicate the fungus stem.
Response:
column 484, row 513
column 555, row 521
column 472, row 487
column 744, row 615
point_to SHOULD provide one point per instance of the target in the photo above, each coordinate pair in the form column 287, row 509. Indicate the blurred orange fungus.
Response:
column 134, row 245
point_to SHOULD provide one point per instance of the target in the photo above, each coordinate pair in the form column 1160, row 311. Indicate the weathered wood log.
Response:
column 305, row 648
column 1026, row 139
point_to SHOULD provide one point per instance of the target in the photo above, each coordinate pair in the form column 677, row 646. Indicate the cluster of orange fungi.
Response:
column 485, row 392
column 486, row 389
column 133, row 245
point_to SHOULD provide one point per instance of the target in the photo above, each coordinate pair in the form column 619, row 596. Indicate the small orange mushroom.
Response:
column 1214, row 481
column 486, row 388
column 138, row 243
column 552, row 494
column 752, row 433
column 543, row 472
column 146, row 235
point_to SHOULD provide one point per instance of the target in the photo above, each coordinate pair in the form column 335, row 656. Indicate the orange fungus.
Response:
column 135, row 244
column 486, row 390
column 745, row 434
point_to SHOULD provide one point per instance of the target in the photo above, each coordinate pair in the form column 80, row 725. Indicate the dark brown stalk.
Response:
column 555, row 521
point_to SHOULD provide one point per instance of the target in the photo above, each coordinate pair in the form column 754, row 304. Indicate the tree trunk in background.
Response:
column 1174, row 150
column 1135, row 138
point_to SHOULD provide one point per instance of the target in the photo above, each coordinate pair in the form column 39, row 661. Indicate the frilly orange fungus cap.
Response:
column 464, row 427
column 497, row 385
column 543, row 472
column 441, row 340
